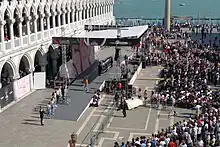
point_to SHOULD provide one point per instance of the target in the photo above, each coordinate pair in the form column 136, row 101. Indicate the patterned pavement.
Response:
column 140, row 121
column 20, row 124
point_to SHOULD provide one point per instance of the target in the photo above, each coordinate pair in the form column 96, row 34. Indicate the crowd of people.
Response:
column 191, row 70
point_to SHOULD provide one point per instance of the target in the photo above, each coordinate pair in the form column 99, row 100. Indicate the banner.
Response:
column 39, row 80
column 83, row 56
column 22, row 87
column 6, row 95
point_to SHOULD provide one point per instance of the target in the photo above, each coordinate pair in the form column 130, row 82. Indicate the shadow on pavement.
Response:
column 118, row 116
column 35, row 117
column 30, row 123
column 31, row 120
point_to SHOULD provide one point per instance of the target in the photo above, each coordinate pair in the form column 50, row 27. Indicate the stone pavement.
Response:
column 140, row 121
column 20, row 124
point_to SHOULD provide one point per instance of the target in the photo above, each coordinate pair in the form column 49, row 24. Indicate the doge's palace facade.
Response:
column 27, row 27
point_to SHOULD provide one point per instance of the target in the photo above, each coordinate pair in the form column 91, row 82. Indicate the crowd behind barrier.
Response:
column 191, row 68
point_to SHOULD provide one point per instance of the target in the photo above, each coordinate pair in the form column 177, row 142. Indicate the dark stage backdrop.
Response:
column 83, row 56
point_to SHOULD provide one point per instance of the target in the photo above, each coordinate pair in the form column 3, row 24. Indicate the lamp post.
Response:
column 167, row 15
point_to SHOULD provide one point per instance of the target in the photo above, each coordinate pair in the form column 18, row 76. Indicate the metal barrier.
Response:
column 98, row 128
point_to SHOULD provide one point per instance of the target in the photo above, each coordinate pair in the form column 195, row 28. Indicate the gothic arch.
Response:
column 41, row 50
column 68, row 6
column 40, row 8
column 33, row 10
column 47, row 7
column 16, row 12
column 25, row 8
column 63, row 5
column 7, row 73
column 7, row 10
column 53, row 7
column 11, row 65
column 38, row 59
column 26, row 59
column 72, row 5
column 58, row 7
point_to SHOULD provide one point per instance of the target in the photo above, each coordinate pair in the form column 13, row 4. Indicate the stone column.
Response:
column 54, row 22
column 16, row 76
column 20, row 30
column 43, row 66
column 58, row 19
column 167, row 15
column 80, row 15
column 77, row 17
column 31, row 70
column 107, row 9
column 42, row 25
column 101, row 12
column 48, row 23
column 88, row 12
column 111, row 8
column 35, row 26
column 2, row 36
column 83, row 13
column 28, row 28
column 93, row 11
column 68, row 19
column 73, row 15
column 64, row 18
column 11, row 23
column 96, row 10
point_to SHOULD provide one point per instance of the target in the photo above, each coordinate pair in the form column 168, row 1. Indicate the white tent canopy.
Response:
column 135, row 32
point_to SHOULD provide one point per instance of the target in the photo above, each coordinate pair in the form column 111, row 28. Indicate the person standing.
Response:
column 86, row 83
column 41, row 112
column 124, row 107
column 57, row 96
column 100, row 68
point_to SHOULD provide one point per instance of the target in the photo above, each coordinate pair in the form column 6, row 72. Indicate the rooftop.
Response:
column 135, row 32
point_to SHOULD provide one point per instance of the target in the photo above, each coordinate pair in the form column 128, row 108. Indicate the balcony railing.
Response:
column 8, row 45
column 17, row 42
column 58, row 30
column 46, row 34
column 52, row 32
column 33, row 37
column 39, row 35
column 68, row 28
column 25, row 40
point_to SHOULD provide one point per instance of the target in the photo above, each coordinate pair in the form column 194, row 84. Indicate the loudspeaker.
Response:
column 117, row 50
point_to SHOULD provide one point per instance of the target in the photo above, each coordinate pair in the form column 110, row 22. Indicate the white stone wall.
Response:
column 13, row 50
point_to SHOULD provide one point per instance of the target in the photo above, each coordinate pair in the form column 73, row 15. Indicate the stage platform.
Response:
column 79, row 98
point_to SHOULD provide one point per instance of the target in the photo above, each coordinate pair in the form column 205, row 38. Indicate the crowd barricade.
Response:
column 98, row 128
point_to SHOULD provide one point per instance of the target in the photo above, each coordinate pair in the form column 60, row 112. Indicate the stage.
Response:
column 80, row 100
